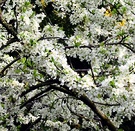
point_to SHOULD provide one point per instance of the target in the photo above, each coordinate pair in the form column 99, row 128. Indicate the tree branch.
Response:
column 7, row 66
column 34, row 97
column 90, row 104
column 123, row 44
column 49, row 82
column 102, row 116
column 8, row 27
column 12, row 40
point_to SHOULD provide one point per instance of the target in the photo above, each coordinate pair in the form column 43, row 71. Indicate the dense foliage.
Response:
column 67, row 65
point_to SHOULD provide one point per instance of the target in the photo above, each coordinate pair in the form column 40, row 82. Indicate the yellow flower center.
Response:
column 122, row 23
column 108, row 13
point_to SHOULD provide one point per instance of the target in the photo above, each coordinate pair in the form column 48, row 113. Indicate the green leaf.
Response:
column 114, row 11
column 118, row 5
column 102, row 78
column 2, row 105
column 102, row 51
column 50, row 29
column 93, row 12
column 17, row 71
column 121, row 33
column 102, row 44
column 125, row 98
column 77, row 44
column 29, row 63
column 112, row 83
column 27, row 3
column 52, row 60
column 120, row 130
column 32, row 42
column 35, row 73
column 23, row 60
column 89, row 34
column 18, row 127
column 124, row 9
column 99, row 96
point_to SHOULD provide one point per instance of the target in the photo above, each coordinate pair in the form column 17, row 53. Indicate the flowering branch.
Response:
column 90, row 104
column 49, row 82
column 2, row 73
column 123, row 44
column 35, row 97
column 10, row 41
column 102, row 116
column 8, row 27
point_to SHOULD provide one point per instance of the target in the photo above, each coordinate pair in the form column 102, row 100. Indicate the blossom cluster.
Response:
column 41, row 84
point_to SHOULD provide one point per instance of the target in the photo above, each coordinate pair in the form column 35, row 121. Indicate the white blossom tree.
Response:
column 67, row 65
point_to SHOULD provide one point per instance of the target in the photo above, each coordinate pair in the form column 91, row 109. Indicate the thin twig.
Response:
column 92, row 73
column 10, row 41
column 106, row 104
